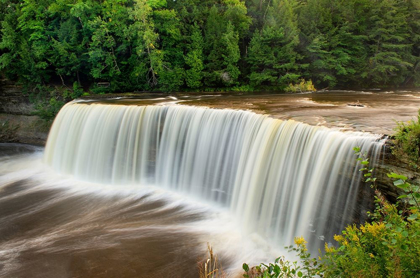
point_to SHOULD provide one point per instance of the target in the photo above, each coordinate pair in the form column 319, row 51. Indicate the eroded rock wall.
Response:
column 17, row 120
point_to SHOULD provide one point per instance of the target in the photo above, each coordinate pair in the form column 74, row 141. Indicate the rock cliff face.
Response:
column 12, row 101
column 387, row 164
column 17, row 122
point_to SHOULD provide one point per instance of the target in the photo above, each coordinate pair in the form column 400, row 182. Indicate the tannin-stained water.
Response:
column 138, row 191
column 55, row 226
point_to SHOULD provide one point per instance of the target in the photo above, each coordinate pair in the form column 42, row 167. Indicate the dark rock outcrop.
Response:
column 17, row 120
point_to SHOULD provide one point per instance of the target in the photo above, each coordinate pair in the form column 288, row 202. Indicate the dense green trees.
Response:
column 273, row 51
column 206, row 44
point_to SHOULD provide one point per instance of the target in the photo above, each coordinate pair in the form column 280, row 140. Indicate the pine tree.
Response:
column 391, row 58
column 272, row 53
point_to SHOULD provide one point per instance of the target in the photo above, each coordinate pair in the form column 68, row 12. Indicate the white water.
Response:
column 280, row 179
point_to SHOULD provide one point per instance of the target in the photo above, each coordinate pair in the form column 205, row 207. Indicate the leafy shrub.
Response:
column 302, row 86
column 283, row 268
column 388, row 246
column 407, row 141
column 47, row 110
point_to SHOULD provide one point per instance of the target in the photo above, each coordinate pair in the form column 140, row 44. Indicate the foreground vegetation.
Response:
column 132, row 45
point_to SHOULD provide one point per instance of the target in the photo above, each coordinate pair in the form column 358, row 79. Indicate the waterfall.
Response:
column 280, row 179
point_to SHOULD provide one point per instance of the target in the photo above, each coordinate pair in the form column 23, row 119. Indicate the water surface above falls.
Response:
column 333, row 109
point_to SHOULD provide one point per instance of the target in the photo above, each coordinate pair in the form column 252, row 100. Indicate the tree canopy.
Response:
column 208, row 45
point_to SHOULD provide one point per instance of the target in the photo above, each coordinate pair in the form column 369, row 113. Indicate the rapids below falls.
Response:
column 139, row 191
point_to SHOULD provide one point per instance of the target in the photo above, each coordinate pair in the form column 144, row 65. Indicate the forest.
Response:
column 208, row 45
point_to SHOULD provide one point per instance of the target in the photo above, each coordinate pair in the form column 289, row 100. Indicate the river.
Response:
column 62, row 215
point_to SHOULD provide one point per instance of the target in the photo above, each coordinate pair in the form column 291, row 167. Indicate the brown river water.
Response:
column 372, row 111
column 368, row 111
column 52, row 226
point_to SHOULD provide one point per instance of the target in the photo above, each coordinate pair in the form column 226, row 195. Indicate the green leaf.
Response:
column 398, row 182
column 412, row 217
column 245, row 267
column 401, row 184
column 396, row 176
column 300, row 274
column 277, row 269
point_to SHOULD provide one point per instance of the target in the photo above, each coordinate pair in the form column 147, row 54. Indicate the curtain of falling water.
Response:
column 280, row 178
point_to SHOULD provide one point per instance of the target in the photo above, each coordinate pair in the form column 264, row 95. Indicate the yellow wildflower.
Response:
column 371, row 255
column 300, row 241
column 375, row 229
column 338, row 238
column 329, row 249
column 355, row 238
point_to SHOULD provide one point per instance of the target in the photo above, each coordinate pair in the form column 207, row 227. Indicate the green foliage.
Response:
column 407, row 142
column 411, row 193
column 48, row 101
column 47, row 110
column 77, row 91
column 302, row 86
column 308, row 266
column 386, row 247
column 207, row 45
column 194, row 60
column 391, row 58
column 272, row 55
